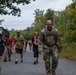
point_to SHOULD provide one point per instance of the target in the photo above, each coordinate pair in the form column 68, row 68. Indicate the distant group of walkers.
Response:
column 47, row 41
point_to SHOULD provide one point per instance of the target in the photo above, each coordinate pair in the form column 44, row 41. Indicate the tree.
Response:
column 69, row 14
column 74, row 0
column 9, row 7
column 71, row 21
column 49, row 14
column 38, row 12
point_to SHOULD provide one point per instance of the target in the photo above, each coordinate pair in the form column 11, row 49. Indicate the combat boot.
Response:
column 53, row 73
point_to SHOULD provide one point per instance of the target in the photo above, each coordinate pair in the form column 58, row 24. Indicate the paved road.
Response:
column 28, row 68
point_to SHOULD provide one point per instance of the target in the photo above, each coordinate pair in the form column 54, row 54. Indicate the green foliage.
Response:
column 38, row 12
column 69, row 14
column 49, row 14
column 69, row 51
column 66, row 17
column 12, row 33
column 9, row 7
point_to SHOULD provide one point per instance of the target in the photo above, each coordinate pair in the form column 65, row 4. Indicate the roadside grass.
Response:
column 69, row 51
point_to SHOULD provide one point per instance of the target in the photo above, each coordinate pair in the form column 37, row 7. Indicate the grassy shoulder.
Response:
column 69, row 51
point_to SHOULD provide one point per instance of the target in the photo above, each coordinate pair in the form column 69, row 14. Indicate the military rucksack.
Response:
column 1, row 41
column 5, row 33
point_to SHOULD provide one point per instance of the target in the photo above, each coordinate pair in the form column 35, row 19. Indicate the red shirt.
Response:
column 9, row 41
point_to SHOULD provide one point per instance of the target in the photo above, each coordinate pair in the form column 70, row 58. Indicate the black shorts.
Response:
column 20, row 51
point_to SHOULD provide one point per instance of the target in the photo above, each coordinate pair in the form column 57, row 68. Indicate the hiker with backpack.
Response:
column 4, row 35
column 50, row 39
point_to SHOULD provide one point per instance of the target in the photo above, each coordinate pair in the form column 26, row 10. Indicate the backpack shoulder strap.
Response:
column 44, row 32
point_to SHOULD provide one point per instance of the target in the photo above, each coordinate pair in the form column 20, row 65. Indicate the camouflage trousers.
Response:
column 7, row 52
column 53, row 54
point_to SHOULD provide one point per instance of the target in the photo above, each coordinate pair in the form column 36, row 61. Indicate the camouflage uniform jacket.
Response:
column 51, row 38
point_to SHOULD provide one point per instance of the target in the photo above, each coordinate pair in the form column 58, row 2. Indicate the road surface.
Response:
column 65, row 67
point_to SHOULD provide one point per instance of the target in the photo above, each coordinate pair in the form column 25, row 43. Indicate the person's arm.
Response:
column 4, row 39
column 59, row 41
column 24, row 42
column 40, row 46
column 32, row 39
column 42, row 38
column 13, row 43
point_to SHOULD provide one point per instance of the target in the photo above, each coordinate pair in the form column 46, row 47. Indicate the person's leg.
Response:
column 47, row 63
column 37, row 59
column 26, row 44
column 35, row 55
column 30, row 46
column 1, row 53
column 5, row 54
column 55, row 58
column 46, row 58
column 9, row 52
column 21, row 55
column 16, row 56
column 34, row 59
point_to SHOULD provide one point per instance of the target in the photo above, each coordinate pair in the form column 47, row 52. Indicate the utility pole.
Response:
column 64, row 23
column 54, row 19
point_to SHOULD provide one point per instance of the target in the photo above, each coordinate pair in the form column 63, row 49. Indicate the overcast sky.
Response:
column 27, row 17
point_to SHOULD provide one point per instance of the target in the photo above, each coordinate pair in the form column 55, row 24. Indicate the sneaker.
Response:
column 21, row 61
column 16, row 62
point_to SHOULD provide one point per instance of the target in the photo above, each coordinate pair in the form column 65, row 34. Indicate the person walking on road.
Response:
column 1, row 48
column 30, row 44
column 8, row 49
column 19, row 41
column 35, row 41
column 4, row 35
column 50, row 37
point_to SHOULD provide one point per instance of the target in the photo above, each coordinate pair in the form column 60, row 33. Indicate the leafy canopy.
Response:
column 10, row 7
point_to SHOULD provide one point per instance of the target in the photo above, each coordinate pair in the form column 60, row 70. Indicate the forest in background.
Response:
column 64, row 20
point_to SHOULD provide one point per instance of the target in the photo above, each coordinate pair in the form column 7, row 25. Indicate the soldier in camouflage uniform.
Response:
column 51, row 47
